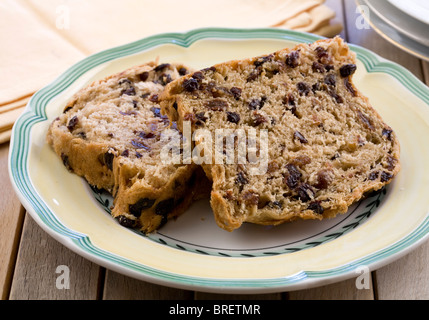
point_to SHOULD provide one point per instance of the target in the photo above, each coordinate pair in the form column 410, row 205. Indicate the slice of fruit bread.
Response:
column 319, row 144
column 111, row 132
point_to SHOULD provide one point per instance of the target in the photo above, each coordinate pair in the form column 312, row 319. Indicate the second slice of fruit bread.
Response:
column 326, row 146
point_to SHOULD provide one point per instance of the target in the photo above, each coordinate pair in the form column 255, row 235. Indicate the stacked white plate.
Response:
column 404, row 23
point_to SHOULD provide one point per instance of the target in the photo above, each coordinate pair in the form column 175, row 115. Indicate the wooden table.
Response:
column 29, row 257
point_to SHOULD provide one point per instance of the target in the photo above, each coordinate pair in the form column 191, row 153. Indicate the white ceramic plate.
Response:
column 418, row 9
column 192, row 252
column 390, row 32
column 395, row 18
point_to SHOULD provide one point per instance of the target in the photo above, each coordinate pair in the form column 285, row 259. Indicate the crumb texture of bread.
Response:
column 327, row 146
column 110, row 133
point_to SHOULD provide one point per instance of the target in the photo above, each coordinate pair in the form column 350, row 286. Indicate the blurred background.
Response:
column 41, row 39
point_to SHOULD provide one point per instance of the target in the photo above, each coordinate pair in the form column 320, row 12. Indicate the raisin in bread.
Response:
column 326, row 147
column 110, row 133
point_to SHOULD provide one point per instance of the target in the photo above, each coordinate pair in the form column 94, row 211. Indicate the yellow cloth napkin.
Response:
column 98, row 24
column 40, row 39
column 32, row 54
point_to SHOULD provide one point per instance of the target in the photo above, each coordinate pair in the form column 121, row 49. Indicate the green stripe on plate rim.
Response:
column 35, row 112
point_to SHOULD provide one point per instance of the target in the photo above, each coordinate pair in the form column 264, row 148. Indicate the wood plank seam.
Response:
column 14, row 253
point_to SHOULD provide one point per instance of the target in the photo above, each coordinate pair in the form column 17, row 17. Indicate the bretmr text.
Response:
column 236, row 309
